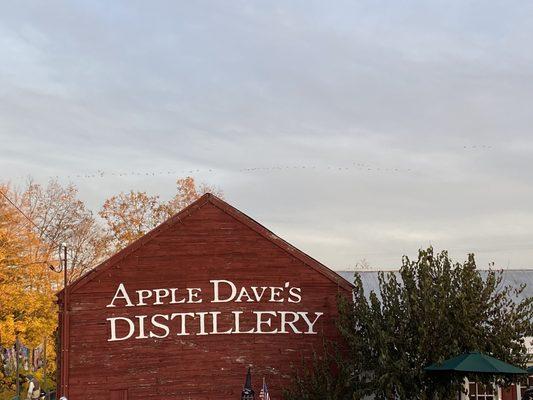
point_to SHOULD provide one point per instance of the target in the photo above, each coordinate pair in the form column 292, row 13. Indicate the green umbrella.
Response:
column 477, row 363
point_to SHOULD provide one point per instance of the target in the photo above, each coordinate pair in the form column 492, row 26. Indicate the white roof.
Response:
column 513, row 277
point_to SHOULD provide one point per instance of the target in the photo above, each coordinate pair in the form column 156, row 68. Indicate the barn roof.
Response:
column 512, row 277
column 209, row 198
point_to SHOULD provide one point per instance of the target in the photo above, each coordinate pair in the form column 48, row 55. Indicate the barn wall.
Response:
column 207, row 245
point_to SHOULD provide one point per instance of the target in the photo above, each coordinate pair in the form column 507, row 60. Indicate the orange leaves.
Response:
column 129, row 216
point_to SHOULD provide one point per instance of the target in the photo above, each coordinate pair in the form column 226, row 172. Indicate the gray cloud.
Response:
column 412, row 118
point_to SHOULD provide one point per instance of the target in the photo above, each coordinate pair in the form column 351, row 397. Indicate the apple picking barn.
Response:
column 183, row 311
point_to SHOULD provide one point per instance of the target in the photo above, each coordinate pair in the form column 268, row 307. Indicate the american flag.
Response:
column 264, row 395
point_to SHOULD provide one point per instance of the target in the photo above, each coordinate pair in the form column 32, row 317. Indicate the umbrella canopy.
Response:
column 478, row 363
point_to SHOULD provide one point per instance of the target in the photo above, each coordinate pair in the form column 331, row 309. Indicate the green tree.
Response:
column 431, row 310
column 327, row 376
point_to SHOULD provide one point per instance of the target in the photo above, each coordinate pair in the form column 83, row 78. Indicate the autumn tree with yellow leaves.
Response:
column 27, row 306
column 28, row 285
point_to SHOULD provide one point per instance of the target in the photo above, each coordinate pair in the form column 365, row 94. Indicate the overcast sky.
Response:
column 354, row 130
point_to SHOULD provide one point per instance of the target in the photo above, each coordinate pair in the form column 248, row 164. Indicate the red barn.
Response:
column 182, row 312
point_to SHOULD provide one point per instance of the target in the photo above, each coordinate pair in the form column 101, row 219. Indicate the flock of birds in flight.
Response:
column 354, row 166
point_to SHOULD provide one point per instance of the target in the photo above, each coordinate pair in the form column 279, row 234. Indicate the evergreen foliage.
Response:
column 326, row 377
column 431, row 310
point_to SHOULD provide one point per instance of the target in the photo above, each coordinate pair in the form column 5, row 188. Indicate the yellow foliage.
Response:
column 27, row 285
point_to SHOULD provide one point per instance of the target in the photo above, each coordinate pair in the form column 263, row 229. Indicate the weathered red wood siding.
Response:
column 208, row 244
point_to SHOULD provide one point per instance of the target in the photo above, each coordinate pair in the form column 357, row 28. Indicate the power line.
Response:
column 27, row 218
column 18, row 209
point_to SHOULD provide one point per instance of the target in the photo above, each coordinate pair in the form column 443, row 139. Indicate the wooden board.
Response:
column 211, row 242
